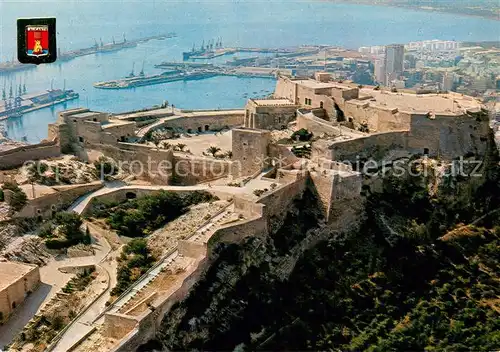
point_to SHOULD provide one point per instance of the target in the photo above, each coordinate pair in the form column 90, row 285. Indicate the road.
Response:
column 93, row 314
column 81, row 204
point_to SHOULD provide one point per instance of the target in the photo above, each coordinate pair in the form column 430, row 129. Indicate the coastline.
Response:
column 415, row 8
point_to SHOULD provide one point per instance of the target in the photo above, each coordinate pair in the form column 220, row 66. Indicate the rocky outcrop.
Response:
column 15, row 246
column 220, row 301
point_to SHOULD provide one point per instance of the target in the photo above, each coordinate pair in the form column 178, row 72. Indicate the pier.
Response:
column 13, row 66
column 24, row 103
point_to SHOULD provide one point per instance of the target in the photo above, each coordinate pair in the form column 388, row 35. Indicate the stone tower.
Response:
column 250, row 151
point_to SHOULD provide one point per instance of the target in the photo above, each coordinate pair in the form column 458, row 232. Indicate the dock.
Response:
column 17, row 106
column 14, row 65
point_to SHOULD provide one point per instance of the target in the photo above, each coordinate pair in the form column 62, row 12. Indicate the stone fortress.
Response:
column 346, row 121
column 16, row 282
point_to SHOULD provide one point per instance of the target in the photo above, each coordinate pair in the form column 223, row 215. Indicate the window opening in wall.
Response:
column 426, row 151
column 207, row 127
column 199, row 129
column 80, row 139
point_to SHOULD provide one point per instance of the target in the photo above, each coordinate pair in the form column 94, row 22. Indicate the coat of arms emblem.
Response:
column 37, row 40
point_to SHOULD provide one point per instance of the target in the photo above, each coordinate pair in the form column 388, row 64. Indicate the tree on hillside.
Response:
column 70, row 224
column 18, row 199
column 213, row 150
column 302, row 135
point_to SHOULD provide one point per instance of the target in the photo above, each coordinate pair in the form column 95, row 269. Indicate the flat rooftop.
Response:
column 273, row 102
column 86, row 115
column 11, row 272
column 201, row 113
column 449, row 103
column 40, row 190
column 115, row 123
column 313, row 84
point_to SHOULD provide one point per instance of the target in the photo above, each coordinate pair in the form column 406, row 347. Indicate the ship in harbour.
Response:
column 14, row 66
column 102, row 47
column 207, row 51
column 132, row 80
column 17, row 102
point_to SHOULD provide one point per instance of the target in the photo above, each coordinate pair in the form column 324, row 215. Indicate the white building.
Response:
column 379, row 70
column 394, row 61
column 449, row 79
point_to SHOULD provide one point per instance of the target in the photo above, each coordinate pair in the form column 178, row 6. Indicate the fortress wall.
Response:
column 118, row 325
column 323, row 187
column 255, row 226
column 273, row 118
column 116, row 133
column 192, row 170
column 180, row 289
column 332, row 187
column 70, row 193
column 286, row 89
column 349, row 150
column 282, row 154
column 250, row 150
column 16, row 291
column 214, row 122
column 248, row 207
column 347, row 186
column 142, row 161
column 388, row 121
column 359, row 113
column 448, row 136
column 282, row 196
column 46, row 205
column 18, row 156
column 329, row 107
column 379, row 119
column 90, row 131
column 315, row 125
column 290, row 176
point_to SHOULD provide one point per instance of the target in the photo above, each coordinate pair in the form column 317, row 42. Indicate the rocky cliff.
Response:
column 415, row 267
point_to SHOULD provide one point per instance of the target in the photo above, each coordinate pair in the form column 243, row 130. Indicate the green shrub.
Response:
column 46, row 230
column 57, row 243
column 302, row 134
column 135, row 256
column 141, row 216
column 19, row 198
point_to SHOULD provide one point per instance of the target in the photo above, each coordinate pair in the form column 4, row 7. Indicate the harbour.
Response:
column 181, row 74
column 22, row 102
column 97, row 48
column 370, row 27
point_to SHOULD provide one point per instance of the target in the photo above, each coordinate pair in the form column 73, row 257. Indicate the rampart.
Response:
column 18, row 156
column 190, row 170
column 122, row 194
column 49, row 204
column 198, row 121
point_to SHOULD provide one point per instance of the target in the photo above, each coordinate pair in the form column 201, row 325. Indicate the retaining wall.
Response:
column 18, row 156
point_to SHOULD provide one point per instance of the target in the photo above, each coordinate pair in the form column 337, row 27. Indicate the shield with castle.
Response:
column 37, row 40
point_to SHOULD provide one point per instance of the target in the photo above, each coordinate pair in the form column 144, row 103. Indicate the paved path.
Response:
column 82, row 203
column 52, row 280
column 94, row 312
